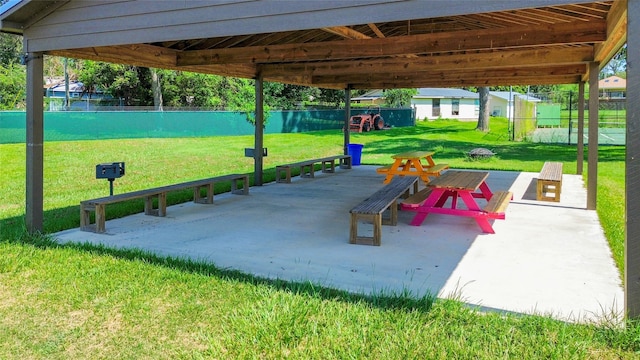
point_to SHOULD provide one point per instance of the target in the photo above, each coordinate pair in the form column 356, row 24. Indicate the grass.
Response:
column 81, row 301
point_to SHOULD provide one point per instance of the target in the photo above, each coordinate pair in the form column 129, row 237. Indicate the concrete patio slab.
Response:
column 545, row 258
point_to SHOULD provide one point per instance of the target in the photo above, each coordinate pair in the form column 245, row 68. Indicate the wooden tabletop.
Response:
column 413, row 155
column 460, row 180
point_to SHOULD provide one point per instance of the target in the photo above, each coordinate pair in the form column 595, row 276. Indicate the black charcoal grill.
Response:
column 110, row 171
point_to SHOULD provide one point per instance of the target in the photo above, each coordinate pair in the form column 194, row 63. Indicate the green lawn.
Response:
column 87, row 302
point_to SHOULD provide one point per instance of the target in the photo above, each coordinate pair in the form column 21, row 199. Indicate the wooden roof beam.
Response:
column 617, row 30
column 152, row 56
column 346, row 32
column 490, row 39
column 494, row 59
column 515, row 72
column 418, row 83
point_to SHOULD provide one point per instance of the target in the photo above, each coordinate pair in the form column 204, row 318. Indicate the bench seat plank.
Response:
column 417, row 199
column 549, row 181
column 159, row 194
column 499, row 202
column 307, row 167
column 372, row 208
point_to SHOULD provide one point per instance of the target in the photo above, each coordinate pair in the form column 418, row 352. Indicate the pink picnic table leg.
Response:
column 433, row 200
column 482, row 221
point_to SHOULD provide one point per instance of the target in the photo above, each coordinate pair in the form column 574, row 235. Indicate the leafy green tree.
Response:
column 330, row 96
column 397, row 98
column 186, row 89
column 617, row 65
column 12, row 74
column 10, row 49
column 12, row 90
column 129, row 83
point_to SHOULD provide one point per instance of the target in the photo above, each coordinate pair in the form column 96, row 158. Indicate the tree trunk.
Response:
column 157, row 90
column 483, row 116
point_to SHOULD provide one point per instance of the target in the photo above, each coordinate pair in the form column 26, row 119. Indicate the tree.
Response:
column 129, row 83
column 397, row 98
column 156, row 89
column 10, row 49
column 12, row 74
column 483, row 116
column 12, row 92
column 330, row 96
column 617, row 65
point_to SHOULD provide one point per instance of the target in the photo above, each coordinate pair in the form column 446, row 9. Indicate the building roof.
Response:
column 445, row 93
column 508, row 95
column 360, row 44
column 612, row 82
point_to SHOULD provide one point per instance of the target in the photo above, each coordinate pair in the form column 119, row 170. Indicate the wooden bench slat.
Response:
column 549, row 181
column 499, row 202
column 418, row 198
column 372, row 208
column 383, row 169
column 307, row 167
column 160, row 193
column 437, row 168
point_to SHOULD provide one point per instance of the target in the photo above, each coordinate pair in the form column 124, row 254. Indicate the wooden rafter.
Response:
column 566, row 33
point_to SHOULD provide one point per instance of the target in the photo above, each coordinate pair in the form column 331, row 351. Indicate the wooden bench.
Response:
column 498, row 203
column 159, row 194
column 416, row 199
column 372, row 208
column 549, row 181
column 307, row 167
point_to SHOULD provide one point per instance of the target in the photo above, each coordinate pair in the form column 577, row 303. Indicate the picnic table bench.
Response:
column 307, row 167
column 375, row 205
column 159, row 194
column 549, row 181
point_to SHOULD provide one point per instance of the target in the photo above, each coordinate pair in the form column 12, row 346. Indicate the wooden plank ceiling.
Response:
column 547, row 45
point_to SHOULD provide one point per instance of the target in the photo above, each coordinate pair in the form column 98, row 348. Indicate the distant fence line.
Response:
column 97, row 125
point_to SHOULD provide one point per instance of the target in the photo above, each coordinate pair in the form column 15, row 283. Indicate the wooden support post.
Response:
column 632, row 178
column 35, row 138
column 347, row 115
column 580, row 140
column 259, row 130
column 594, row 102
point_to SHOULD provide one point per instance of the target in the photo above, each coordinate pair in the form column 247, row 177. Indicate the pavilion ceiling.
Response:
column 546, row 45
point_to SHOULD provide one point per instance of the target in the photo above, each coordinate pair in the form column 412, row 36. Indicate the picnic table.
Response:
column 411, row 164
column 465, row 185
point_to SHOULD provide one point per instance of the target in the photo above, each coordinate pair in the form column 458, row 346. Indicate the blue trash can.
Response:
column 355, row 150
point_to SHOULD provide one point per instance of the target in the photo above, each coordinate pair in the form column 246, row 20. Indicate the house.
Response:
column 434, row 103
column 79, row 97
column 501, row 102
column 613, row 87
column 373, row 97
column 450, row 103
